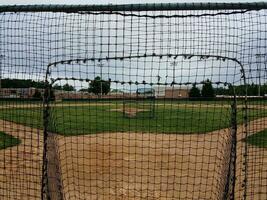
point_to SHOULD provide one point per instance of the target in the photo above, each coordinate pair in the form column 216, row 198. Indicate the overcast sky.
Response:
column 26, row 40
column 4, row 2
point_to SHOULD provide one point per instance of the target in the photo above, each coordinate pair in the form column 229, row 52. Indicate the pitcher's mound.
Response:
column 129, row 112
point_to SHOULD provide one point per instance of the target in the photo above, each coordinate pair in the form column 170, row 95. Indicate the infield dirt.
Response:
column 133, row 165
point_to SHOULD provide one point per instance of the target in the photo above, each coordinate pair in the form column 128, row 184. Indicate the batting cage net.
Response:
column 154, row 101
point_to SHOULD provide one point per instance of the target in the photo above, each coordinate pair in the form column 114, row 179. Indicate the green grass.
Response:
column 169, row 118
column 18, row 102
column 259, row 139
column 7, row 140
column 95, row 119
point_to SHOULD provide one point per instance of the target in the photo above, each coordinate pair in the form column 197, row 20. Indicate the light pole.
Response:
column 1, row 56
column 159, row 77
column 258, row 60
column 101, row 66
column 174, row 63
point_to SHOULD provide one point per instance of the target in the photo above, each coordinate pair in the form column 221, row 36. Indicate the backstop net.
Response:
column 154, row 101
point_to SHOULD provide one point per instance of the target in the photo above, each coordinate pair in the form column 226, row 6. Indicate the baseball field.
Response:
column 181, row 152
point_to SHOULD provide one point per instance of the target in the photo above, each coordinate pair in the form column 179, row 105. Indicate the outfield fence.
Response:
column 158, row 101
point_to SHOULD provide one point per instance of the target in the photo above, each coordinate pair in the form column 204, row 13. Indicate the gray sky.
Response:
column 25, row 44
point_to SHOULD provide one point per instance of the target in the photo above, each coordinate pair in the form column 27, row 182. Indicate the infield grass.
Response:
column 99, row 117
column 259, row 139
column 7, row 140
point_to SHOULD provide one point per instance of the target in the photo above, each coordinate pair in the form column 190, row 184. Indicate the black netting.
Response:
column 133, row 104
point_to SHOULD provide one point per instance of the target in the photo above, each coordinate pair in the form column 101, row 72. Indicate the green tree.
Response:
column 37, row 94
column 83, row 90
column 207, row 89
column 68, row 87
column 51, row 94
column 263, row 89
column 253, row 90
column 96, row 84
column 116, row 90
column 21, row 83
column 194, row 92
column 222, row 91
column 57, row 87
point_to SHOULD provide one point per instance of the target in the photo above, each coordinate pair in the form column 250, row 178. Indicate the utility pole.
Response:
column 1, row 56
column 101, row 66
column 258, row 62
column 174, row 63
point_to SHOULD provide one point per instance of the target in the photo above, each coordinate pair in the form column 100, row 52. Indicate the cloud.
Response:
column 131, row 47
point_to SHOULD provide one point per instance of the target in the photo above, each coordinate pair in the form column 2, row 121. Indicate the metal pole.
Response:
column 173, row 74
column 173, row 70
column 134, row 7
column 101, row 80
column 174, row 63
column 258, row 56
column 101, row 66
column 0, row 72
column 1, row 56
column 259, row 86
column 258, row 74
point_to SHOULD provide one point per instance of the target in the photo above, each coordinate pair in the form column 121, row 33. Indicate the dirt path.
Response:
column 20, row 166
column 133, row 165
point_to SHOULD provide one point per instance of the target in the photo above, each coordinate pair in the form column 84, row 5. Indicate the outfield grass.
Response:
column 262, row 102
column 99, row 117
column 95, row 119
column 7, row 140
column 175, row 101
column 259, row 139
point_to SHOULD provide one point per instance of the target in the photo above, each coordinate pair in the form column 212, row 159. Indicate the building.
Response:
column 171, row 92
column 159, row 91
column 178, row 92
column 18, row 92
column 145, row 92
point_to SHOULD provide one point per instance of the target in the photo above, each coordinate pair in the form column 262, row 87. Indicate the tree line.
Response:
column 252, row 90
column 27, row 83
column 21, row 83
column 208, row 91
column 96, row 86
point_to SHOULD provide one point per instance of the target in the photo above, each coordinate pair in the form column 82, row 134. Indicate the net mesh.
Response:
column 139, row 108
column 163, row 104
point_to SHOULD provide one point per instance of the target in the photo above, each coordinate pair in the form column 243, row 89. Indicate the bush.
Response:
column 207, row 90
column 194, row 92
column 37, row 94
column 96, row 84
